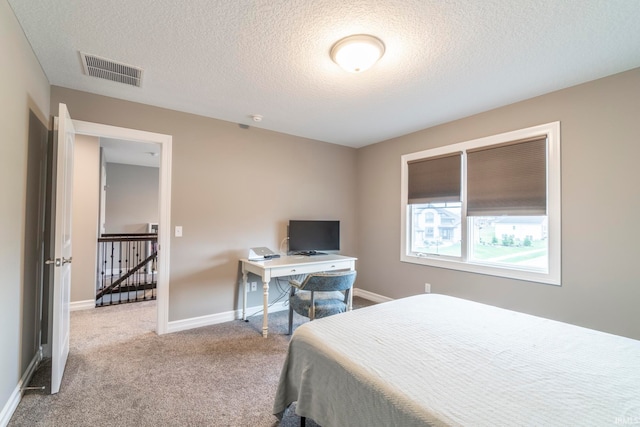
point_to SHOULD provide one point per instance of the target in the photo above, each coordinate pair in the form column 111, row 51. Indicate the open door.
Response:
column 61, row 295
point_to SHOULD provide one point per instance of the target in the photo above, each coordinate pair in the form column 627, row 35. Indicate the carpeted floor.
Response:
column 120, row 373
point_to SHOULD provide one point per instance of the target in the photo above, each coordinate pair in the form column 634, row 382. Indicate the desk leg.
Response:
column 350, row 302
column 265, row 320
column 244, row 295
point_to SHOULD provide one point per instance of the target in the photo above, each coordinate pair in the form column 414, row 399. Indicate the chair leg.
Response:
column 312, row 308
column 303, row 421
column 348, row 299
column 293, row 291
column 290, row 319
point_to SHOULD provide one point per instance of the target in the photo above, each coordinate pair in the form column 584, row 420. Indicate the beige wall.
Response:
column 221, row 199
column 86, row 199
column 132, row 198
column 232, row 189
column 24, row 88
column 600, row 131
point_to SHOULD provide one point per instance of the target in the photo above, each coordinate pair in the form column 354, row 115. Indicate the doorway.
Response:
column 164, row 202
column 128, row 221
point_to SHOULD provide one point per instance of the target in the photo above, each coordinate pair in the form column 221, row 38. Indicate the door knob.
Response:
column 59, row 261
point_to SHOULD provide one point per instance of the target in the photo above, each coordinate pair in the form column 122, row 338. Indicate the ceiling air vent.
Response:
column 103, row 68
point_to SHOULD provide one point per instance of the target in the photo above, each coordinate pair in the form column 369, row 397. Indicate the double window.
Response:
column 490, row 206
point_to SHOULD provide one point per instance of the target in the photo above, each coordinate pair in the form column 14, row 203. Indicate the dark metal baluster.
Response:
column 142, row 271
column 113, row 254
column 136, row 280
column 154, row 268
column 121, row 270
column 127, row 282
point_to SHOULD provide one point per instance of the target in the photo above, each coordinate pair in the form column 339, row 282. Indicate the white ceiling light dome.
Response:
column 357, row 53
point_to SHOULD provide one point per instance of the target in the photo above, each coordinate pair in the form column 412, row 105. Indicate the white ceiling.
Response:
column 130, row 152
column 231, row 59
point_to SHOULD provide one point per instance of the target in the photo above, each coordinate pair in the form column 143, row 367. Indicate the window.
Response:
column 490, row 205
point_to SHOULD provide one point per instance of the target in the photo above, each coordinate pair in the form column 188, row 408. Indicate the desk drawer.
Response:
column 314, row 268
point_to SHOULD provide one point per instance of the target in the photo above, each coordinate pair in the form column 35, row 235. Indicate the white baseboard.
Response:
column 228, row 316
column 370, row 295
column 82, row 305
column 214, row 319
column 251, row 311
column 11, row 405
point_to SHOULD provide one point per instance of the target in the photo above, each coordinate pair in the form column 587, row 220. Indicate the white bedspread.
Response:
column 438, row 360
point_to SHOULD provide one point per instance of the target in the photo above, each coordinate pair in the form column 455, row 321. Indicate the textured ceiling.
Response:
column 230, row 59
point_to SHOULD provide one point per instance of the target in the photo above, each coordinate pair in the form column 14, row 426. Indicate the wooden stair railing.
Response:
column 128, row 274
column 118, row 275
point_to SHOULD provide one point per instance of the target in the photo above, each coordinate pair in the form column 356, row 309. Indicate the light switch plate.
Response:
column 178, row 231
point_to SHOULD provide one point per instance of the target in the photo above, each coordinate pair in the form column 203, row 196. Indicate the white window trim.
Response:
column 553, row 276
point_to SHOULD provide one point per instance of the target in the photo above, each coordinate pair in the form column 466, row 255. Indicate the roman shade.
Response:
column 508, row 179
column 435, row 179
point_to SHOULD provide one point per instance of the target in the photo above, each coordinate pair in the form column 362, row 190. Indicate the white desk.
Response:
column 289, row 266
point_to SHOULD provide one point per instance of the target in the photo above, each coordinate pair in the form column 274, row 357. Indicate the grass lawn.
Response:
column 491, row 251
column 508, row 254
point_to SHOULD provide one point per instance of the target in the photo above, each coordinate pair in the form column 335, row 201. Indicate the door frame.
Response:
column 164, row 203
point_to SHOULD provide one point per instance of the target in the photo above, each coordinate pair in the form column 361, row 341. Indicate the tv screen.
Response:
column 309, row 236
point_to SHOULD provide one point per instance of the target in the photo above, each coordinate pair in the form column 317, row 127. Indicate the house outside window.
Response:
column 490, row 205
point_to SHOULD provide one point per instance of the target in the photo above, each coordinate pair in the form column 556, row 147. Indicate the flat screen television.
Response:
column 309, row 237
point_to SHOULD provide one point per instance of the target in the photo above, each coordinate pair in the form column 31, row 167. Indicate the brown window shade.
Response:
column 508, row 179
column 435, row 179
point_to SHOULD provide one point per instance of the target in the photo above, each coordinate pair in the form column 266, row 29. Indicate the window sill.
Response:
column 506, row 272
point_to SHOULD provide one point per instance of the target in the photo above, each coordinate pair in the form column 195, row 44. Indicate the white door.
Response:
column 62, row 242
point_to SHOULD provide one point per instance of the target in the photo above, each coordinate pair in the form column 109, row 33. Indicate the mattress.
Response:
column 438, row 360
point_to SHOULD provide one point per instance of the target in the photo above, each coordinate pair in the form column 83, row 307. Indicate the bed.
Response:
column 438, row 360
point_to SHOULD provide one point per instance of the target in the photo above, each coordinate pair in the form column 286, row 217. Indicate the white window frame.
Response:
column 553, row 275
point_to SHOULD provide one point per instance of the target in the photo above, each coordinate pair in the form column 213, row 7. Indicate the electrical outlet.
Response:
column 254, row 286
column 427, row 288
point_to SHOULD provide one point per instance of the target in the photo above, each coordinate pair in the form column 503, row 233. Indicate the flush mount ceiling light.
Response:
column 357, row 53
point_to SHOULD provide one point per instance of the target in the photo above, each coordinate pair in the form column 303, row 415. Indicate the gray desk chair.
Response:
column 320, row 295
